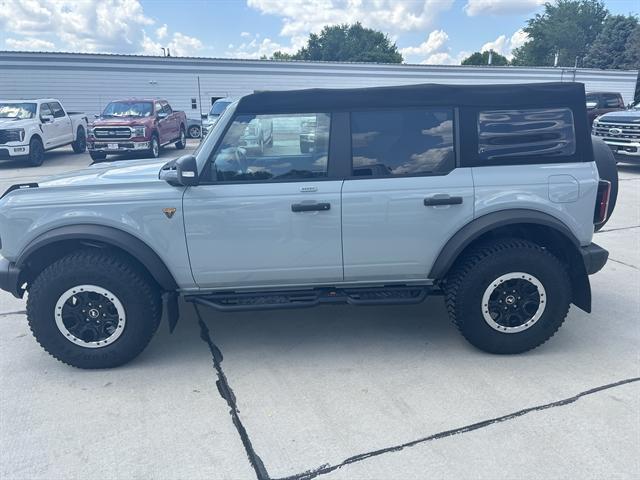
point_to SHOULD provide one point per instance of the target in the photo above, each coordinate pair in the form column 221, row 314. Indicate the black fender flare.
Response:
column 105, row 235
column 481, row 225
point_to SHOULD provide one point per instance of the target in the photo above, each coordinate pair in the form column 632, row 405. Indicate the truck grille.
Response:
column 116, row 133
column 622, row 132
column 9, row 136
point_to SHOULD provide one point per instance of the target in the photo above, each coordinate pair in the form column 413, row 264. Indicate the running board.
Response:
column 270, row 300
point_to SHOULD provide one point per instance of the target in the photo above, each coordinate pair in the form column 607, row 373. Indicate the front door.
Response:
column 269, row 214
column 405, row 197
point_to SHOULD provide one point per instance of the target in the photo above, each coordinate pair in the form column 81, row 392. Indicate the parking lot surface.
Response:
column 337, row 392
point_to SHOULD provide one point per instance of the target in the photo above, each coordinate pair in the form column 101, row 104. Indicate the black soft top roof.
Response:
column 570, row 95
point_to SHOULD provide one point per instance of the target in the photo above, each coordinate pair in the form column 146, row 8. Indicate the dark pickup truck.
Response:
column 136, row 125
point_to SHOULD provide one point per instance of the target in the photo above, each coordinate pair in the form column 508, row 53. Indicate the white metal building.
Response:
column 86, row 82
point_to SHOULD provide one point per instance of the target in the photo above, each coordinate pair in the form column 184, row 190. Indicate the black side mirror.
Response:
column 95, row 115
column 182, row 171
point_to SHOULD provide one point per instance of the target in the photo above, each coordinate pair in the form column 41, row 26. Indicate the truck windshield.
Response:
column 218, row 107
column 128, row 109
column 17, row 110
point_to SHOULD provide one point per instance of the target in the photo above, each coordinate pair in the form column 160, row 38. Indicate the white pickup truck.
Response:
column 28, row 128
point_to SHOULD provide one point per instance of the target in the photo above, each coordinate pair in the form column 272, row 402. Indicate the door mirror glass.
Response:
column 46, row 118
column 182, row 171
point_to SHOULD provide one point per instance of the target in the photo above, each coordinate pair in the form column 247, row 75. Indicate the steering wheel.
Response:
column 240, row 156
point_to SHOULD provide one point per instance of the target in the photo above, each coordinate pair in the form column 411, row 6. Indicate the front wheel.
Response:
column 508, row 296
column 36, row 152
column 194, row 131
column 93, row 309
column 182, row 143
column 154, row 148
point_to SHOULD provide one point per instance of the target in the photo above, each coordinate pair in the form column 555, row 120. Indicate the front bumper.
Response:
column 594, row 258
column 13, row 151
column 624, row 151
column 117, row 146
column 9, row 278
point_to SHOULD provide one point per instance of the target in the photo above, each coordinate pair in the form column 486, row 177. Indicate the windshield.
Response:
column 218, row 107
column 128, row 109
column 17, row 110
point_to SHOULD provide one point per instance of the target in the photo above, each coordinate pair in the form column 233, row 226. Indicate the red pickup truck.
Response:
column 136, row 125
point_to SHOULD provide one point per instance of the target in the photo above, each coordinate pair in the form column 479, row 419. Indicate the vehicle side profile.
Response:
column 487, row 194
column 136, row 125
column 29, row 128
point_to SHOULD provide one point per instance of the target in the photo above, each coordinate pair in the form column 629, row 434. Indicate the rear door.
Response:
column 173, row 125
column 164, row 123
column 405, row 197
column 266, row 217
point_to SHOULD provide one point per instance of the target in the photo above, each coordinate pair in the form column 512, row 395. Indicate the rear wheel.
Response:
column 509, row 296
column 608, row 170
column 36, row 152
column 80, row 144
column 93, row 309
column 194, row 131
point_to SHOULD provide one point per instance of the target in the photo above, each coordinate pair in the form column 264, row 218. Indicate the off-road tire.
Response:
column 106, row 269
column 97, row 156
column 80, row 143
column 607, row 170
column 182, row 142
column 476, row 270
column 36, row 152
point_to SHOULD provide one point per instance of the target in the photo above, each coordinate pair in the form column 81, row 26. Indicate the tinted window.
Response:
column 525, row 133
column 402, row 142
column 45, row 110
column 219, row 107
column 56, row 108
column 273, row 147
column 611, row 101
column 166, row 108
column 128, row 109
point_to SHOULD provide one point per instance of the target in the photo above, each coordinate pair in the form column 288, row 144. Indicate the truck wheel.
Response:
column 80, row 144
column 36, row 152
column 154, row 149
column 93, row 309
column 508, row 296
column 194, row 131
column 97, row 156
column 180, row 144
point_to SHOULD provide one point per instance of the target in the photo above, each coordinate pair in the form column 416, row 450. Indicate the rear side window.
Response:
column 525, row 134
column 56, row 108
column 402, row 142
column 612, row 100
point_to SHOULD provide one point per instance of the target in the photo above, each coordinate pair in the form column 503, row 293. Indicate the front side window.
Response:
column 273, row 147
column 525, row 134
column 45, row 110
column 128, row 109
column 402, row 142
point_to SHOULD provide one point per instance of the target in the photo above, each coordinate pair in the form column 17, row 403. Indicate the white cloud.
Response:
column 445, row 58
column 162, row 32
column 108, row 26
column 501, row 7
column 301, row 17
column 518, row 39
column 434, row 43
column 257, row 48
column 33, row 44
column 180, row 45
column 245, row 34
column 505, row 46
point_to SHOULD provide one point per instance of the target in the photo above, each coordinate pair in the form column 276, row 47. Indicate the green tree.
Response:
column 632, row 56
column 346, row 43
column 609, row 50
column 568, row 27
column 478, row 58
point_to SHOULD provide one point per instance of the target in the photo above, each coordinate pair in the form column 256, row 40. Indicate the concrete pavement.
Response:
column 340, row 393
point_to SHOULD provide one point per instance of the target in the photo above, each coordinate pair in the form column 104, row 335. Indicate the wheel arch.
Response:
column 541, row 228
column 55, row 243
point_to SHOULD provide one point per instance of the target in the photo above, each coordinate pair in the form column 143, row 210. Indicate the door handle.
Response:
column 310, row 207
column 442, row 200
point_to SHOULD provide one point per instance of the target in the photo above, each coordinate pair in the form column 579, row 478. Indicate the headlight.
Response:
column 14, row 135
column 138, row 131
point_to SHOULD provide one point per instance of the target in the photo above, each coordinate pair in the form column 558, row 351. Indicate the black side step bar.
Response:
column 242, row 301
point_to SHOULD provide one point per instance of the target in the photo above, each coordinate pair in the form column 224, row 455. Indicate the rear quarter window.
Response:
column 525, row 135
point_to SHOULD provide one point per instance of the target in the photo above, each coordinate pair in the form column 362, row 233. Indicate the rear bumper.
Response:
column 594, row 258
column 9, row 277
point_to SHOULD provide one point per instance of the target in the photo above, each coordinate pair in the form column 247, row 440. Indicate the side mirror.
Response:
column 162, row 115
column 182, row 171
column 591, row 105
column 95, row 115
column 46, row 118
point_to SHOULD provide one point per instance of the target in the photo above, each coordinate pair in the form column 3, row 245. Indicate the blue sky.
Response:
column 426, row 31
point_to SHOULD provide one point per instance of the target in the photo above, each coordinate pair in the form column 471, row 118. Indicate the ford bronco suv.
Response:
column 489, row 195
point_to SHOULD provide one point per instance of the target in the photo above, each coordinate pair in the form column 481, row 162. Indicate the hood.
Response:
column 109, row 173
column 15, row 122
column 122, row 121
column 625, row 116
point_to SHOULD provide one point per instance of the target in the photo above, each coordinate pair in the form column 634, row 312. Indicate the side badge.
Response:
column 169, row 212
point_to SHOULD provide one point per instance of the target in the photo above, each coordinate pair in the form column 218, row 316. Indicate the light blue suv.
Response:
column 487, row 194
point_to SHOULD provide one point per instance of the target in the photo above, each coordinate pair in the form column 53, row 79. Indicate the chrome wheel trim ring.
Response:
column 542, row 303
column 100, row 291
column 194, row 132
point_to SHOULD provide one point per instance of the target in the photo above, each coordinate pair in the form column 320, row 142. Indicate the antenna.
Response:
column 164, row 52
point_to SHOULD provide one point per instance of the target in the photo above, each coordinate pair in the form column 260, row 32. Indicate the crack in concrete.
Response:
column 17, row 312
column 227, row 394
column 623, row 263
column 327, row 468
column 616, row 229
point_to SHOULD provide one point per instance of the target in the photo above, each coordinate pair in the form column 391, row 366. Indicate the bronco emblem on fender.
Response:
column 169, row 212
